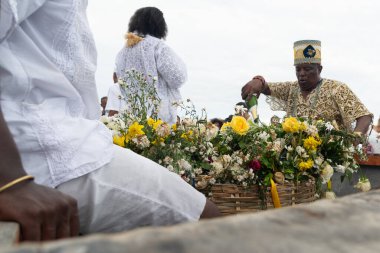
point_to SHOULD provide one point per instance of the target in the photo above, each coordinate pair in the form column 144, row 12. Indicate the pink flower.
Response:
column 254, row 165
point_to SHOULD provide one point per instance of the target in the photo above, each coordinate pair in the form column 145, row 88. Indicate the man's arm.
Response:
column 363, row 123
column 43, row 213
column 257, row 86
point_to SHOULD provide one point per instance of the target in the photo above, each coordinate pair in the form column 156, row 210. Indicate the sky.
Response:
column 225, row 43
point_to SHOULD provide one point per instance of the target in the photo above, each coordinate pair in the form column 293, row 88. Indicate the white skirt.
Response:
column 132, row 191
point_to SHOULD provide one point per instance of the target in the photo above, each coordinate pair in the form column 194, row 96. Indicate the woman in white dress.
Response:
column 374, row 139
column 146, row 52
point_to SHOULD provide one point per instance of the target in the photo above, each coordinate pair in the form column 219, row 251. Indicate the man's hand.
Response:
column 43, row 213
column 256, row 86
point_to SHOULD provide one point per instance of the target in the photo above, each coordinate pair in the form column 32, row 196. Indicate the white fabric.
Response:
column 115, row 101
column 47, row 89
column 374, row 141
column 130, row 192
column 153, row 57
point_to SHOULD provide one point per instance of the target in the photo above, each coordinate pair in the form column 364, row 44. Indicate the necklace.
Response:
column 297, row 91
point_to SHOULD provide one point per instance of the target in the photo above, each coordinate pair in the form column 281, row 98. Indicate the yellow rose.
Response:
column 225, row 126
column 311, row 143
column 306, row 165
column 240, row 125
column 135, row 130
column 174, row 127
column 291, row 125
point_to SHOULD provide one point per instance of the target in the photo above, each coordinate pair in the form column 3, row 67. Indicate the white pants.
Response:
column 132, row 191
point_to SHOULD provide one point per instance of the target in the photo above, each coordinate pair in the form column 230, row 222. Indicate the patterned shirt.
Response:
column 330, row 100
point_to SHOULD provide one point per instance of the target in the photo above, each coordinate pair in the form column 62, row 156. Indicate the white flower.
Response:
column 240, row 110
column 170, row 168
column 278, row 145
column 183, row 164
column 193, row 149
column 318, row 161
column 211, row 132
column 217, row 166
column 264, row 136
column 163, row 130
column 340, row 168
column 198, row 171
column 312, row 130
column 363, row 185
column 212, row 181
column 300, row 150
column 329, row 126
column 226, row 159
column 327, row 173
column 104, row 119
column 168, row 160
column 330, row 195
column 289, row 148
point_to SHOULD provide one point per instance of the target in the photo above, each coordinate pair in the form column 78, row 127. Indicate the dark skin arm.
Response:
column 256, row 85
column 363, row 123
column 112, row 112
column 43, row 213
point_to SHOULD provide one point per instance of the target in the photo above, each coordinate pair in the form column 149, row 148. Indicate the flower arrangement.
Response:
column 241, row 152
column 295, row 150
column 183, row 148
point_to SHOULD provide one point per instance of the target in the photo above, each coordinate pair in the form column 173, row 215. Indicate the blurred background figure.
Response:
column 374, row 139
column 103, row 103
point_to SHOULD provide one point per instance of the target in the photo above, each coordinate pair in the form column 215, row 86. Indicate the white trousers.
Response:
column 132, row 191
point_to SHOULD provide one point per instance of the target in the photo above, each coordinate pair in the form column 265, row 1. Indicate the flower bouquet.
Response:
column 282, row 163
column 183, row 148
column 243, row 166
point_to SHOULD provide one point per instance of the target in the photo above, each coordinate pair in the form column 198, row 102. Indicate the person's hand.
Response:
column 43, row 213
column 255, row 86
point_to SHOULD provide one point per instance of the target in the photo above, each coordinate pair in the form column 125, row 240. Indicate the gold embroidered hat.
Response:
column 307, row 51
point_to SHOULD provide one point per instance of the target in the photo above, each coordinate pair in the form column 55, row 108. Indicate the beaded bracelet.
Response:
column 16, row 181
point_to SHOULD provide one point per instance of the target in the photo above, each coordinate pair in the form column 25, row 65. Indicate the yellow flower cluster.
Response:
column 119, row 140
column 135, row 130
column 292, row 125
column 154, row 123
column 188, row 135
column 239, row 125
column 306, row 165
column 311, row 143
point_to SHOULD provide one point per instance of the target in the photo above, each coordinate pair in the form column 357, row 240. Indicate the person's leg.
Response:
column 132, row 191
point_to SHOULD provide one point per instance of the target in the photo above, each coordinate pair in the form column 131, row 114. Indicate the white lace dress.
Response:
column 153, row 57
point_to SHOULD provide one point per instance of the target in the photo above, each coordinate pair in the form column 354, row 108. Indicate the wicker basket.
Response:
column 234, row 199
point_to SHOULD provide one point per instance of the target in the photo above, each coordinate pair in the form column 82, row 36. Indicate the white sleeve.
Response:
column 120, row 63
column 13, row 12
column 113, row 98
column 171, row 68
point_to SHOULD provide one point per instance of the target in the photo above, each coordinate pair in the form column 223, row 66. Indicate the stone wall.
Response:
column 348, row 224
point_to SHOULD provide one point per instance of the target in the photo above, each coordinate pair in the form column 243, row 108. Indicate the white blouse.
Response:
column 47, row 89
column 153, row 57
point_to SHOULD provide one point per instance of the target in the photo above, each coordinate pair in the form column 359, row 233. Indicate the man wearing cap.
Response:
column 312, row 96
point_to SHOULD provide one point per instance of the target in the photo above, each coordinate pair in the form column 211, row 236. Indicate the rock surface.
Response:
column 9, row 233
column 348, row 224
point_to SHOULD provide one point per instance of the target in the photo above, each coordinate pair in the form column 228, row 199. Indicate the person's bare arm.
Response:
column 257, row 86
column 363, row 123
column 43, row 213
column 112, row 112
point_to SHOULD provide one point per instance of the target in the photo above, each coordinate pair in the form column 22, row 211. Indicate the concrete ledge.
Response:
column 349, row 224
column 9, row 233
